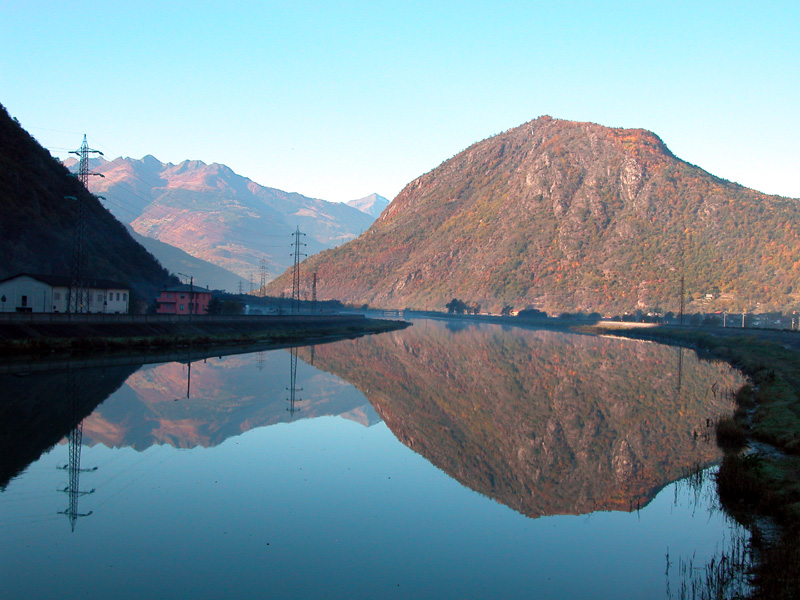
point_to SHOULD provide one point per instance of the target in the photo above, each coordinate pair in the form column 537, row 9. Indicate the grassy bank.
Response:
column 82, row 340
column 766, row 480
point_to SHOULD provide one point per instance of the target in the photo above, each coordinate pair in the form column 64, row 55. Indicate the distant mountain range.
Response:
column 373, row 205
column 213, row 214
column 565, row 216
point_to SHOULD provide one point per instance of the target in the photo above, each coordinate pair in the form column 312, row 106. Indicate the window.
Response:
column 117, row 296
column 183, row 296
column 125, row 296
column 24, row 301
column 182, row 307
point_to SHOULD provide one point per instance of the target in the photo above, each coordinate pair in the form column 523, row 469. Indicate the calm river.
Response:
column 441, row 461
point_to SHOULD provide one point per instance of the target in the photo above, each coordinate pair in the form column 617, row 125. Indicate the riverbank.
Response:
column 760, row 474
column 38, row 337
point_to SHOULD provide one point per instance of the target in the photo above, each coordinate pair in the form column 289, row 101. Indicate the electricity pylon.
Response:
column 78, row 300
column 296, row 272
column 263, row 285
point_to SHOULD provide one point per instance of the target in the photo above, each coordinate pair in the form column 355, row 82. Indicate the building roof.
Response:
column 187, row 288
column 65, row 281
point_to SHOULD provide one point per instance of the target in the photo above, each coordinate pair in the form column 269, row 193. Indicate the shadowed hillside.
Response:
column 38, row 223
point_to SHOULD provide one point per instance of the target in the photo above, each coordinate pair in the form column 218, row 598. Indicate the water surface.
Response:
column 434, row 462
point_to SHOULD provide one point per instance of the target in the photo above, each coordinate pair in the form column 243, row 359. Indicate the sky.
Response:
column 337, row 100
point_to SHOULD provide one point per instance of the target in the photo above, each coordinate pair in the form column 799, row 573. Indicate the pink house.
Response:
column 183, row 300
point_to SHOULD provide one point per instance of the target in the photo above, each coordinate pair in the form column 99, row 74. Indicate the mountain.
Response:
column 37, row 228
column 373, row 205
column 176, row 260
column 544, row 422
column 216, row 215
column 565, row 216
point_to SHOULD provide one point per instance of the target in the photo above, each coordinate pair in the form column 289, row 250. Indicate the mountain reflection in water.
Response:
column 544, row 422
column 228, row 396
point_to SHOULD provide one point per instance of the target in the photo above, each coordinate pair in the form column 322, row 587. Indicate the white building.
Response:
column 50, row 293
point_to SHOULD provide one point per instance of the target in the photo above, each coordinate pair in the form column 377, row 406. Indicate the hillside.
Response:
column 38, row 222
column 176, row 260
column 567, row 216
column 223, row 218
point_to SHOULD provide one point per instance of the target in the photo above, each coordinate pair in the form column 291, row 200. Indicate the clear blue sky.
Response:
column 337, row 100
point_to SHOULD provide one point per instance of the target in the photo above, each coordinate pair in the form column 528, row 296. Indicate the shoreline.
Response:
column 758, row 481
column 22, row 339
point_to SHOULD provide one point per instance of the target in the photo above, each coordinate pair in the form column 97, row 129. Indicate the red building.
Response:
column 183, row 300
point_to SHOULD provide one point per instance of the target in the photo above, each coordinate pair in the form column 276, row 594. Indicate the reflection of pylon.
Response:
column 293, row 389
column 260, row 361
column 73, row 490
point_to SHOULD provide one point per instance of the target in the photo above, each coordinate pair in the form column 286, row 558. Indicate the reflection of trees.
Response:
column 544, row 422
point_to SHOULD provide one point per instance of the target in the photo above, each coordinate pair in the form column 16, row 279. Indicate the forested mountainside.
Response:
column 562, row 216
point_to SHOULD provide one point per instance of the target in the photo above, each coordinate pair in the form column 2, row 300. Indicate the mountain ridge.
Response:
column 214, row 214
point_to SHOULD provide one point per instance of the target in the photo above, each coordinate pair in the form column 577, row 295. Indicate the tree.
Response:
column 531, row 313
column 506, row 310
column 456, row 306
column 214, row 306
column 232, row 307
